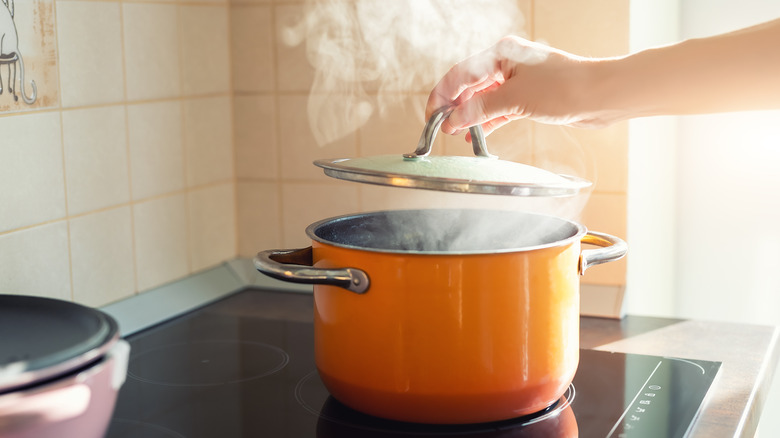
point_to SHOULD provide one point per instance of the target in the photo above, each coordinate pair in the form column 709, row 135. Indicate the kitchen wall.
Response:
column 728, row 181
column 169, row 136
column 696, row 177
column 119, row 176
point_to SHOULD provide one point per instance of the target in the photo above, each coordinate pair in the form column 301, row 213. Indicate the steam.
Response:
column 448, row 231
column 369, row 54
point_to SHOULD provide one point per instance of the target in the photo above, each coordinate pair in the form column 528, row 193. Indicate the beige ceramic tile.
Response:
column 298, row 145
column 253, row 2
column 606, row 213
column 593, row 28
column 525, row 27
column 254, row 128
column 293, row 71
column 156, row 151
column 32, row 185
column 303, row 204
column 205, row 49
column 251, row 43
column 511, row 142
column 259, row 225
column 160, row 240
column 35, row 262
column 156, row 1
column 562, row 150
column 95, row 143
column 208, row 140
column 609, row 148
column 35, row 84
column 396, row 130
column 90, row 52
column 212, row 233
column 151, row 42
column 374, row 197
column 101, row 249
column 600, row 155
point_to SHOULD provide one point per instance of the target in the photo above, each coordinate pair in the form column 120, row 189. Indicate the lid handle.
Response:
column 429, row 134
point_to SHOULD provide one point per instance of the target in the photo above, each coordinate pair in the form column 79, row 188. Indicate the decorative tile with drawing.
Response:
column 28, row 57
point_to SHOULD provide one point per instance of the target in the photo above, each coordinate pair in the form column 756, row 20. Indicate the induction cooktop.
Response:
column 244, row 367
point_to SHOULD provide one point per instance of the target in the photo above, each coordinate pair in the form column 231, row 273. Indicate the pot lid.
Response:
column 484, row 173
column 42, row 338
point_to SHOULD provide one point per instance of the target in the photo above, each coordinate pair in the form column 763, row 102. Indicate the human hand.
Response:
column 516, row 79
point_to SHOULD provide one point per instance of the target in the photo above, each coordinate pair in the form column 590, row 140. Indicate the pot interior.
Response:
column 438, row 231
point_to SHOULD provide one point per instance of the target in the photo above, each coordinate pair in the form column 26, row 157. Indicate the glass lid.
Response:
column 484, row 173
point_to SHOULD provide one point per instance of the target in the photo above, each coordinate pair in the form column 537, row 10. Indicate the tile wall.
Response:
column 120, row 176
column 168, row 136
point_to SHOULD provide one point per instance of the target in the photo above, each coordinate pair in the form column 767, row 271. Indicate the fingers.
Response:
column 491, row 125
column 469, row 76
column 492, row 104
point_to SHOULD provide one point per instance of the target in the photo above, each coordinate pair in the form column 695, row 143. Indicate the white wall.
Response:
column 729, row 201
column 652, row 183
column 717, row 253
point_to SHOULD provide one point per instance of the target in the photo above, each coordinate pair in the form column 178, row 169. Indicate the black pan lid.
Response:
column 42, row 338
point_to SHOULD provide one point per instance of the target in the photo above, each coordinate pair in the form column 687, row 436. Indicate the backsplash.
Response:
column 167, row 137
column 120, row 176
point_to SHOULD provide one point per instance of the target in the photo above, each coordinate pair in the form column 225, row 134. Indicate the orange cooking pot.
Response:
column 445, row 316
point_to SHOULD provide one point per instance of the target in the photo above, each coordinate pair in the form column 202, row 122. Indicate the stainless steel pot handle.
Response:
column 613, row 248
column 295, row 266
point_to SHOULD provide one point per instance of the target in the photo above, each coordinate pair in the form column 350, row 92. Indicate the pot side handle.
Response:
column 612, row 248
column 295, row 266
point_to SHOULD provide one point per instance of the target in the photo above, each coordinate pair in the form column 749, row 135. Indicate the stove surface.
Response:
column 244, row 367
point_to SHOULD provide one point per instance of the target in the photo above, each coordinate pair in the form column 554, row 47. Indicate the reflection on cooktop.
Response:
column 338, row 420
column 205, row 363
column 244, row 367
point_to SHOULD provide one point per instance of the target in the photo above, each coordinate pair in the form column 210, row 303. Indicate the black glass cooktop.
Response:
column 244, row 367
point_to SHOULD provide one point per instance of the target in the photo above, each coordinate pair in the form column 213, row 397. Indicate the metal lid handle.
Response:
column 425, row 144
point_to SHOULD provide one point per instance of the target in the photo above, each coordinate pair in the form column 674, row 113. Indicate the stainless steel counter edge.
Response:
column 157, row 305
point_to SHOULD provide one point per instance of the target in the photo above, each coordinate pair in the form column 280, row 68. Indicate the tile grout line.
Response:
column 127, row 149
column 67, row 217
column 185, row 184
column 277, row 128
column 232, row 109
column 114, row 206
column 59, row 109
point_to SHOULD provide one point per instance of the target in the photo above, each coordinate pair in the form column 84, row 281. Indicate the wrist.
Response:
column 608, row 95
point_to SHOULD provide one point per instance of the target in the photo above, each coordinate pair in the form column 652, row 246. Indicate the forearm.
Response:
column 730, row 72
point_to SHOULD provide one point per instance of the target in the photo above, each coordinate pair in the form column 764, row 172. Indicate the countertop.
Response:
column 749, row 354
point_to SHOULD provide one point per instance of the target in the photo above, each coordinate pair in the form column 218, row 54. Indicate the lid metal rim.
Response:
column 108, row 335
column 332, row 169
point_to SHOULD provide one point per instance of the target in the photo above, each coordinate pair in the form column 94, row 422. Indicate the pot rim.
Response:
column 581, row 231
